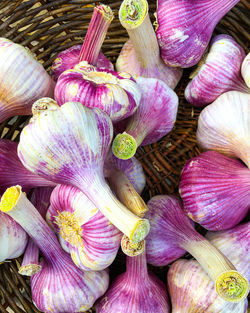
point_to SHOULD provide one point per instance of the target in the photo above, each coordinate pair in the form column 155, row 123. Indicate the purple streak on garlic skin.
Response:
column 135, row 291
column 69, row 145
column 69, row 58
column 115, row 93
column 220, row 72
column 245, row 70
column 191, row 290
column 224, row 126
column 13, row 238
column 60, row 286
column 93, row 240
column 215, row 190
column 13, row 172
column 186, row 26
column 190, row 287
column 154, row 118
column 132, row 168
column 23, row 80
column 40, row 198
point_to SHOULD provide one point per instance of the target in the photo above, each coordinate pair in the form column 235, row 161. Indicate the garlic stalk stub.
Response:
column 224, row 126
column 135, row 291
column 185, row 28
column 190, row 287
column 13, row 172
column 60, row 286
column 115, row 93
column 13, row 238
column 23, row 80
column 215, row 190
column 93, row 240
column 90, row 50
column 172, row 233
column 40, row 198
column 219, row 72
column 68, row 145
column 154, row 118
column 140, row 55
column 245, row 69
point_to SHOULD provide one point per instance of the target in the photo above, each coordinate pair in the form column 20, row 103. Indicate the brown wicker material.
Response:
column 48, row 27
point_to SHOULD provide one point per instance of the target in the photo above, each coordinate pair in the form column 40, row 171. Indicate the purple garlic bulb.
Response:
column 154, row 118
column 135, row 291
column 220, row 71
column 117, row 94
column 245, row 70
column 215, row 190
column 186, row 26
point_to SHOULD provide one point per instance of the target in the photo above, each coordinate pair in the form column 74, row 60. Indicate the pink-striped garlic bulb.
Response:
column 23, row 80
column 245, row 69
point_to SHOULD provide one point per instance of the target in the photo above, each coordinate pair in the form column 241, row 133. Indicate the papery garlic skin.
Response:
column 115, row 93
column 224, row 126
column 140, row 55
column 93, row 240
column 190, row 287
column 13, row 238
column 215, row 190
column 245, row 70
column 60, row 286
column 69, row 145
column 135, row 291
column 69, row 58
column 13, row 172
column 154, row 118
column 219, row 72
column 191, row 290
column 23, row 80
column 185, row 28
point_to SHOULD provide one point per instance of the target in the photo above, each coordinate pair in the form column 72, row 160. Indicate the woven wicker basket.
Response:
column 48, row 27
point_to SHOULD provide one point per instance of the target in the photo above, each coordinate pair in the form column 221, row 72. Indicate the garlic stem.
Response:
column 136, row 269
column 30, row 261
column 133, row 15
column 230, row 285
column 126, row 193
column 97, row 30
column 132, row 249
column 15, row 203
column 134, row 227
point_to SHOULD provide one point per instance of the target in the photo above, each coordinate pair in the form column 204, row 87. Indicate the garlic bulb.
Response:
column 24, row 80
column 172, row 232
column 90, row 50
column 135, row 291
column 93, row 240
column 220, row 71
column 40, row 198
column 13, row 172
column 189, row 286
column 69, row 145
column 215, row 190
column 224, row 126
column 140, row 55
column 186, row 26
column 60, row 286
column 13, row 239
column 245, row 69
column 154, row 118
column 115, row 93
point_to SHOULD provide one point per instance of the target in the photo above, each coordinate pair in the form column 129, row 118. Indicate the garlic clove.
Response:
column 224, row 126
column 154, row 118
column 24, row 80
column 185, row 28
column 115, row 93
column 215, row 190
column 219, row 72
column 245, row 69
